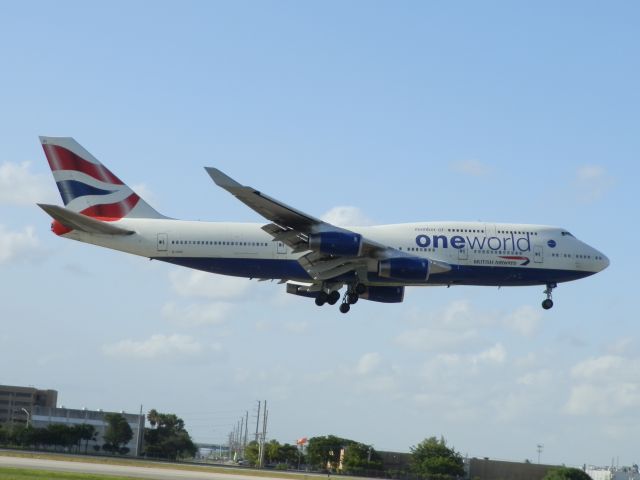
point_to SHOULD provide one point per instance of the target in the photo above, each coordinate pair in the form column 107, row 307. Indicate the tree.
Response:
column 154, row 417
column 168, row 438
column 432, row 459
column 118, row 432
column 324, row 451
column 566, row 473
column 288, row 454
column 272, row 451
column 87, row 433
column 358, row 457
column 251, row 452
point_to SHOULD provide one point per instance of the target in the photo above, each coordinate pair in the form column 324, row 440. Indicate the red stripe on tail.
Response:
column 112, row 211
column 62, row 159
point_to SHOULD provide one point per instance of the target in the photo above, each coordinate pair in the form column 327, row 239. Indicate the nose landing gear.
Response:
column 351, row 296
column 548, row 303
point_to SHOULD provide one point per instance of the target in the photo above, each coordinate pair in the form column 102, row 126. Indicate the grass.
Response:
column 9, row 473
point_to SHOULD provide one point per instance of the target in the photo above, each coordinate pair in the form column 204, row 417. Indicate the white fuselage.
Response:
column 480, row 253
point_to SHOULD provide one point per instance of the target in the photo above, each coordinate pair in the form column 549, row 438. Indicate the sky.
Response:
column 362, row 113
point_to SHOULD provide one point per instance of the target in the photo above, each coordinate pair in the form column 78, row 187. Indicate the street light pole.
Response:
column 28, row 416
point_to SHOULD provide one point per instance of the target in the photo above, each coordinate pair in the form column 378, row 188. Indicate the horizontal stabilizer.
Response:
column 77, row 221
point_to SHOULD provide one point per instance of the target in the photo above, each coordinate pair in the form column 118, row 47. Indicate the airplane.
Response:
column 312, row 257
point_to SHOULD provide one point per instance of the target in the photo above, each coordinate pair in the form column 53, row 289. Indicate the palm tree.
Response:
column 154, row 417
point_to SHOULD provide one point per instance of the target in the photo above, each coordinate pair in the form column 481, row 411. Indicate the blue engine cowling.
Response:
column 337, row 243
column 384, row 294
column 404, row 268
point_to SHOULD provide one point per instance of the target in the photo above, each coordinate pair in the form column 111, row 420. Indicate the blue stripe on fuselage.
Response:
column 458, row 275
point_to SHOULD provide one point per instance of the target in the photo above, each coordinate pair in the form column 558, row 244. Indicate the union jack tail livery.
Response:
column 88, row 187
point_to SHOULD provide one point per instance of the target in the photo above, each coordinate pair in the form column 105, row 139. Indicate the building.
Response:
column 17, row 403
column 45, row 416
column 486, row 469
column 613, row 473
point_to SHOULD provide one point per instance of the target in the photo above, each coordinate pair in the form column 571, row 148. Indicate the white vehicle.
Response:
column 314, row 258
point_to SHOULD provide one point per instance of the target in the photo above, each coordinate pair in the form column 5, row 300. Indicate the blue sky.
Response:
column 412, row 111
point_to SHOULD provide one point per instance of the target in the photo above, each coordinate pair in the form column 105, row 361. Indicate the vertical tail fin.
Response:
column 88, row 187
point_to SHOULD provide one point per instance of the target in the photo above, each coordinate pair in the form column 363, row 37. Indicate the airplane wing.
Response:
column 332, row 250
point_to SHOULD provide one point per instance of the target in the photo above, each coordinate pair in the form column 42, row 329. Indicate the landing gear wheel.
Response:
column 333, row 297
column 352, row 297
column 322, row 298
column 548, row 303
column 361, row 288
column 345, row 307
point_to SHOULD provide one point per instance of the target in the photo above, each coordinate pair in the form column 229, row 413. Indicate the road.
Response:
column 165, row 473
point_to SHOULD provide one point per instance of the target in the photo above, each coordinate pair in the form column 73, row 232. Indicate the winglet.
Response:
column 222, row 180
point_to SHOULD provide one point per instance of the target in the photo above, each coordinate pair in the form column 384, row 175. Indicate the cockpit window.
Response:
column 565, row 234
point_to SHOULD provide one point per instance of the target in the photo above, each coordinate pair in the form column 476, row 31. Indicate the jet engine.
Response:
column 404, row 268
column 337, row 243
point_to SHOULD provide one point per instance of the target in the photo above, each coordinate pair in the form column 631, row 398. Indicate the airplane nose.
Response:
column 602, row 259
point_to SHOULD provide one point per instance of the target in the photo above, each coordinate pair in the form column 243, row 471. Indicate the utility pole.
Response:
column 246, row 429
column 263, row 440
column 240, row 441
column 539, row 447
column 258, row 422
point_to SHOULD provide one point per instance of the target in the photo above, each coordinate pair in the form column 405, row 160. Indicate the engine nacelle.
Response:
column 384, row 294
column 404, row 268
column 341, row 244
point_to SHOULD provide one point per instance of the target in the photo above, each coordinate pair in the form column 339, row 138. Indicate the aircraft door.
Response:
column 537, row 254
column 463, row 253
column 281, row 249
column 163, row 240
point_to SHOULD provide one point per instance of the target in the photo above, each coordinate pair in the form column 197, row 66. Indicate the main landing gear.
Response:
column 548, row 303
column 330, row 298
column 350, row 297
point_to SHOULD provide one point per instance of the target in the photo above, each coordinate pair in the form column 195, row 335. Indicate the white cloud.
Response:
column 196, row 284
column 496, row 354
column 621, row 346
column 196, row 315
column 605, row 386
column 367, row 363
column 296, row 326
column 598, row 368
column 15, row 245
column 346, row 216
column 538, row 379
column 471, row 167
column 450, row 328
column 603, row 400
column 435, row 338
column 19, row 186
column 592, row 182
column 156, row 346
column 524, row 320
